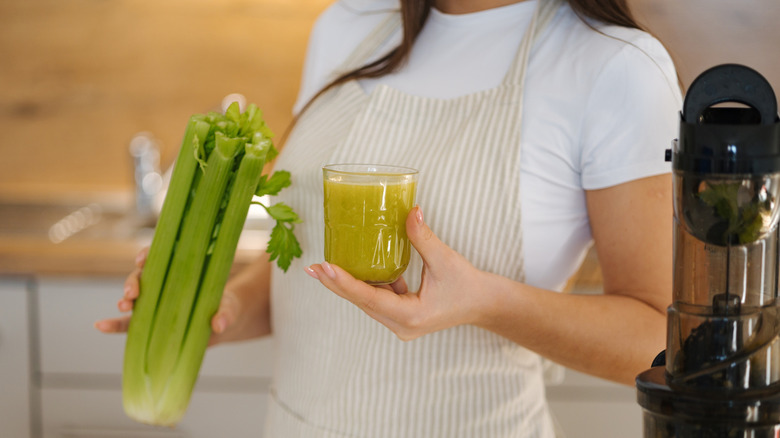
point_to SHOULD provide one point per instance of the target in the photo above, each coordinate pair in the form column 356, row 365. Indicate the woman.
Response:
column 538, row 128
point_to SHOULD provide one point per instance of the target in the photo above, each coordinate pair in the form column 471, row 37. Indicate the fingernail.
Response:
column 139, row 258
column 311, row 272
column 100, row 325
column 419, row 215
column 127, row 290
column 328, row 270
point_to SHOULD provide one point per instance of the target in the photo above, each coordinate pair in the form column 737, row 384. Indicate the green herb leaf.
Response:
column 233, row 112
column 283, row 245
column 742, row 222
column 272, row 186
column 283, row 213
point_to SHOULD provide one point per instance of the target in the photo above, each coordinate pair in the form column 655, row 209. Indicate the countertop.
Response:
column 84, row 236
column 97, row 235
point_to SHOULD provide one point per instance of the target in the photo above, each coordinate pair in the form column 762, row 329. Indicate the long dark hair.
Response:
column 415, row 12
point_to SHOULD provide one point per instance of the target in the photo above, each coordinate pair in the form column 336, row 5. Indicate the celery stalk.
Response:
column 175, row 400
column 217, row 173
column 181, row 286
column 135, row 396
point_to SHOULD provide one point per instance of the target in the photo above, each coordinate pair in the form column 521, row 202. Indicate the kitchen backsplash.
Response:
column 80, row 78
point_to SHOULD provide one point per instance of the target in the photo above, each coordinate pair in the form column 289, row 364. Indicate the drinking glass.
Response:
column 366, row 206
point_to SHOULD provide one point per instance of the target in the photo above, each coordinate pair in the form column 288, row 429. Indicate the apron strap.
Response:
column 544, row 12
column 376, row 39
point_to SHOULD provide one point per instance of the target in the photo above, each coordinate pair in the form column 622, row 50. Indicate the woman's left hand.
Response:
column 448, row 294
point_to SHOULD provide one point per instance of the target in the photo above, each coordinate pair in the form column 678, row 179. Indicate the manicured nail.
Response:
column 127, row 290
column 139, row 258
column 311, row 272
column 419, row 215
column 328, row 270
column 100, row 325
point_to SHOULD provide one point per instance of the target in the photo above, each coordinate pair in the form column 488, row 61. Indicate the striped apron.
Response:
column 339, row 373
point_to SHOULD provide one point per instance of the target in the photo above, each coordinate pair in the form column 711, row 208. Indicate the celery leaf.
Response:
column 283, row 246
column 283, row 213
column 272, row 186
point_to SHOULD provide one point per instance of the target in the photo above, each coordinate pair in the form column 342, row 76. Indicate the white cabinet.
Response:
column 16, row 419
column 80, row 372
column 61, row 378
column 89, row 412
column 586, row 406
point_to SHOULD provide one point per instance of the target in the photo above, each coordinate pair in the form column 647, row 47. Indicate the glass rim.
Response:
column 359, row 169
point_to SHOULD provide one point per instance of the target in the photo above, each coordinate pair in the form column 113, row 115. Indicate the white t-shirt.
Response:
column 600, row 108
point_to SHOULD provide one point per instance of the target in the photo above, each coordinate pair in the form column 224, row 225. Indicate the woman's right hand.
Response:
column 222, row 324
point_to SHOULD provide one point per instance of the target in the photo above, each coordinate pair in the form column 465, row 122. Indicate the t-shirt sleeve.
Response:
column 631, row 118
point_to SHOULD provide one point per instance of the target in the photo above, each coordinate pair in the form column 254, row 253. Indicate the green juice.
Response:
column 365, row 227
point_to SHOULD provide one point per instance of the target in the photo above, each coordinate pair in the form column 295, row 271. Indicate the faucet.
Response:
column 151, row 183
column 145, row 150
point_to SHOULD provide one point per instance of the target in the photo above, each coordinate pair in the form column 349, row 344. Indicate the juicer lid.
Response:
column 728, row 140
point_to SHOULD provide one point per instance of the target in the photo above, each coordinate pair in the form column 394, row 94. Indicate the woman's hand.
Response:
column 125, row 304
column 448, row 294
column 614, row 335
column 229, row 322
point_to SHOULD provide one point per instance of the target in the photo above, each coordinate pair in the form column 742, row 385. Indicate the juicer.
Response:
column 719, row 376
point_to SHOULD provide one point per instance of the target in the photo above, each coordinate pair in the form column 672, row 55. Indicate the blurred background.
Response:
column 79, row 79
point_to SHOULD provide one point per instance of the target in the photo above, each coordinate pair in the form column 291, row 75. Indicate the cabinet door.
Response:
column 15, row 420
column 81, row 372
column 70, row 344
column 603, row 409
column 86, row 413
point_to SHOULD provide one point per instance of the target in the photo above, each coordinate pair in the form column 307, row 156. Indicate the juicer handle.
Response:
column 730, row 83
column 659, row 360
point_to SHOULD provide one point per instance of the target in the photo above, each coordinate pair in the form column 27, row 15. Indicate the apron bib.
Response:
column 338, row 372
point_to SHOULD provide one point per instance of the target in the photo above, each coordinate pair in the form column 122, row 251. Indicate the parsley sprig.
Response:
column 283, row 245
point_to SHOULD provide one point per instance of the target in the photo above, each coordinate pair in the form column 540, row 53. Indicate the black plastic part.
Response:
column 727, row 412
column 730, row 83
column 660, row 359
column 727, row 140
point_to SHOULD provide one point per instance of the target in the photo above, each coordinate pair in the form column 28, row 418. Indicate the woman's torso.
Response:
column 340, row 373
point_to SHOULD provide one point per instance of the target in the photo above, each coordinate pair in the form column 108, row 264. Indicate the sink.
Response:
column 64, row 221
column 58, row 222
column 90, row 237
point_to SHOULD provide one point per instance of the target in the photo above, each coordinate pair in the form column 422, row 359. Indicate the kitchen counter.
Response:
column 84, row 236
column 97, row 235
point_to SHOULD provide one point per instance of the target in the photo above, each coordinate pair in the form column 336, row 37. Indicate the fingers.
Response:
column 113, row 325
column 227, row 312
column 224, row 319
column 131, row 287
column 130, row 292
column 382, row 303
column 140, row 258
column 431, row 249
column 399, row 286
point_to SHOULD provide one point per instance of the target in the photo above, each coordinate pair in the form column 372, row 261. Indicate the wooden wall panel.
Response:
column 79, row 78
